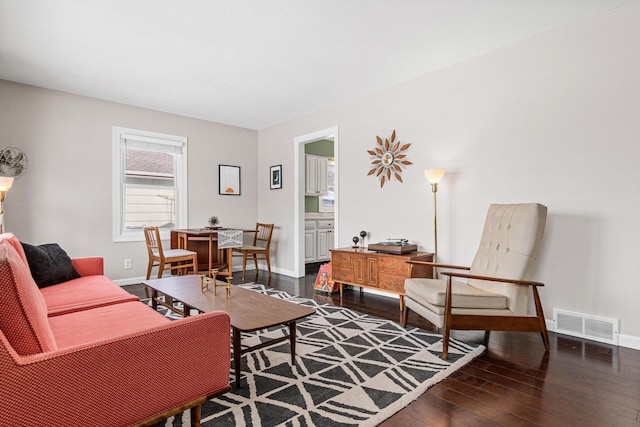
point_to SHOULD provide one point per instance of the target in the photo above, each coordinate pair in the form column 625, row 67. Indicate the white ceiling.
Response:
column 256, row 63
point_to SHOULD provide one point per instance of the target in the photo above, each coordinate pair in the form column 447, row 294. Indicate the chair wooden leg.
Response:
column 160, row 270
column 540, row 313
column 445, row 343
column 255, row 262
column 244, row 264
column 269, row 265
column 149, row 269
column 447, row 321
column 487, row 335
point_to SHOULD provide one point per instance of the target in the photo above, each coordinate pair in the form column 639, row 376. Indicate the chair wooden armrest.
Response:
column 492, row 279
column 432, row 264
column 435, row 264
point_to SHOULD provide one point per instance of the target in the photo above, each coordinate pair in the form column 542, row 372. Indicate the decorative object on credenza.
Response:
column 388, row 159
column 355, row 239
column 434, row 176
column 363, row 234
column 213, row 222
column 229, row 180
column 393, row 246
column 275, row 177
column 13, row 164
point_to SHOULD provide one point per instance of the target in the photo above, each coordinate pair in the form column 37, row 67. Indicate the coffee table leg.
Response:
column 154, row 299
column 237, row 355
column 292, row 339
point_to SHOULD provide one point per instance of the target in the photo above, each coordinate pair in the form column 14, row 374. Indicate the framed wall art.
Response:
column 275, row 177
column 229, row 180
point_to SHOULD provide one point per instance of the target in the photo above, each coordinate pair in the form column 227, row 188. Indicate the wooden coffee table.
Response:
column 248, row 310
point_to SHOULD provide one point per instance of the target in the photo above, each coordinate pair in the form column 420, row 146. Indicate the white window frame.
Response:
column 120, row 135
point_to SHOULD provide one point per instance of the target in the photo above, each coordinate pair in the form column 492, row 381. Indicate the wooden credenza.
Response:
column 383, row 272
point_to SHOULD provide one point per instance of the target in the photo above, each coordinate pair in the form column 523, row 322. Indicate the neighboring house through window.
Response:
column 150, row 183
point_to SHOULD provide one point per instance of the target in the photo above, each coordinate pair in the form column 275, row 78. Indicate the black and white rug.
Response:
column 352, row 369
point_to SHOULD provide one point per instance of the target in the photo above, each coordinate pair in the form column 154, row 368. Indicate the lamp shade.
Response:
column 5, row 182
column 434, row 175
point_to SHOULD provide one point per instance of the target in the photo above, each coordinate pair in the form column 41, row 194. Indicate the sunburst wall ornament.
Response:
column 388, row 159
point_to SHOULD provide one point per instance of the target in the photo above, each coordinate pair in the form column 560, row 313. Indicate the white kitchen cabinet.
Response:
column 315, row 175
column 318, row 240
column 309, row 241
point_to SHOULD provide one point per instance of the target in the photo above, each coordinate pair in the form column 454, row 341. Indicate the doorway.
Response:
column 299, row 192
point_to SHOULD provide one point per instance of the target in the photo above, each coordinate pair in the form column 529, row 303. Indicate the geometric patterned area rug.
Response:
column 352, row 369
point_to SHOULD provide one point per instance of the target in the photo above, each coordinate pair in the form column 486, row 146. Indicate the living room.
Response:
column 549, row 118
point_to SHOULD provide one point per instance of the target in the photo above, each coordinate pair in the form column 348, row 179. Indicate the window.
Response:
column 150, row 183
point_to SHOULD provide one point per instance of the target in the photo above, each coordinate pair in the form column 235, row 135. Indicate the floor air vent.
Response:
column 586, row 326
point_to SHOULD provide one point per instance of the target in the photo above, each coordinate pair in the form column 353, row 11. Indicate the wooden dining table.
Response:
column 204, row 241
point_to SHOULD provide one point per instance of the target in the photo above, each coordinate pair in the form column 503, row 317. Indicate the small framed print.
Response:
column 275, row 177
column 229, row 180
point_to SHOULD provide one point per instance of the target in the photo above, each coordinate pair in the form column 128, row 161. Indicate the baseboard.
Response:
column 284, row 272
column 627, row 341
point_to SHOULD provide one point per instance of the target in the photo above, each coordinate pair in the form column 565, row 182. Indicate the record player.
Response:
column 393, row 246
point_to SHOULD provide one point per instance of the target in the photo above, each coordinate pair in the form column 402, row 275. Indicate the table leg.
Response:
column 237, row 355
column 292, row 339
column 154, row 301
column 340, row 294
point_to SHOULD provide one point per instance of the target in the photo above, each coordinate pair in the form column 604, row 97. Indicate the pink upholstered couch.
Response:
column 86, row 352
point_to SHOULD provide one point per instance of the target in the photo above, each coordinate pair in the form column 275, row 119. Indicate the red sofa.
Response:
column 86, row 352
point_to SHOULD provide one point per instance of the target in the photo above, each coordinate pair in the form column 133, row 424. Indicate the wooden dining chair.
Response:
column 180, row 260
column 259, row 250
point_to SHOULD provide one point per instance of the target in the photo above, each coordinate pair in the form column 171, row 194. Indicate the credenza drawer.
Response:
column 391, row 282
column 342, row 274
column 393, row 265
column 342, row 258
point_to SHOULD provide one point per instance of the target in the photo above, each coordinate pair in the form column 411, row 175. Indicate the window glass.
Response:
column 151, row 183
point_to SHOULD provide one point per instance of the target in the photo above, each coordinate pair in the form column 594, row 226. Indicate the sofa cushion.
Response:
column 23, row 311
column 49, row 264
column 84, row 293
column 82, row 327
column 12, row 240
column 434, row 291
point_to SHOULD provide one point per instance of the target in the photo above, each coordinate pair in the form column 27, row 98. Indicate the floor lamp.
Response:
column 5, row 184
column 434, row 176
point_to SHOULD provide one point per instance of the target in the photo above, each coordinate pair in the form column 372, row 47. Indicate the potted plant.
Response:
column 213, row 222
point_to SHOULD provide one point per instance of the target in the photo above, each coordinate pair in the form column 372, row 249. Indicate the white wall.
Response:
column 66, row 194
column 553, row 119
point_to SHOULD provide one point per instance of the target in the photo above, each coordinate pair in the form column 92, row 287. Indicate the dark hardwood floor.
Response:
column 514, row 383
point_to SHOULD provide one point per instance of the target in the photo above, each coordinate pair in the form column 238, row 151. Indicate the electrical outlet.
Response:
column 127, row 264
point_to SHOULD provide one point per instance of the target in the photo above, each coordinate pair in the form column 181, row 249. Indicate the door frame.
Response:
column 298, row 188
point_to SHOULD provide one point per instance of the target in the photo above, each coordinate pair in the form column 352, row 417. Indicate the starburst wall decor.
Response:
column 388, row 159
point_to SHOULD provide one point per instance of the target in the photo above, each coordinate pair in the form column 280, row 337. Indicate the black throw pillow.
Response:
column 49, row 264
